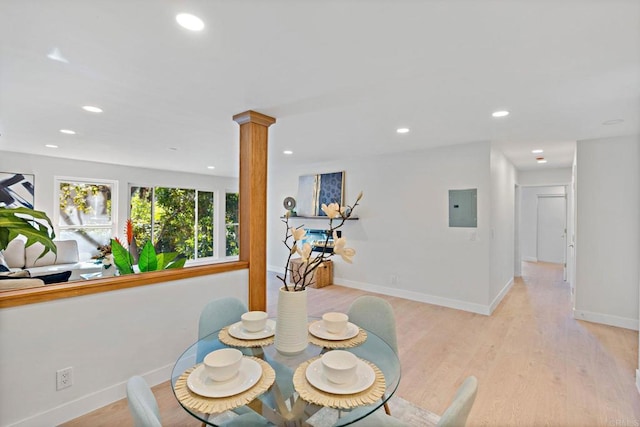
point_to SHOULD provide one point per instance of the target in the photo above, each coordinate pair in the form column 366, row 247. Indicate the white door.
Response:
column 552, row 215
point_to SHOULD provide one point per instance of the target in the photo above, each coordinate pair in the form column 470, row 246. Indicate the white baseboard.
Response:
column 529, row 259
column 95, row 400
column 638, row 380
column 606, row 319
column 415, row 296
column 496, row 301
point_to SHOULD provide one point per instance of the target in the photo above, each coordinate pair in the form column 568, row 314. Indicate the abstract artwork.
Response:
column 315, row 190
column 16, row 190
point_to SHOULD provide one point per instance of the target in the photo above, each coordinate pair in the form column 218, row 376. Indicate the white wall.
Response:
column 529, row 218
column 46, row 168
column 607, row 231
column 551, row 176
column 503, row 181
column 106, row 338
column 403, row 229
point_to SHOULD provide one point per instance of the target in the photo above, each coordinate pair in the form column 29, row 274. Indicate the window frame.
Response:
column 58, row 179
column 216, row 212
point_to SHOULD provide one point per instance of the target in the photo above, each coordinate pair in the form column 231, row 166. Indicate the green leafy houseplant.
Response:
column 34, row 225
column 148, row 260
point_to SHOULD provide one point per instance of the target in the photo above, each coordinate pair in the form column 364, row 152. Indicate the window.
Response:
column 86, row 212
column 174, row 219
column 232, row 224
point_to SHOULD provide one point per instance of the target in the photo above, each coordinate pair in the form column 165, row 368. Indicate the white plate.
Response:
column 365, row 376
column 237, row 331
column 248, row 375
column 317, row 328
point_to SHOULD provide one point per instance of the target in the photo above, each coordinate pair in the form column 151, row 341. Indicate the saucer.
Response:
column 365, row 376
column 237, row 331
column 249, row 374
column 317, row 329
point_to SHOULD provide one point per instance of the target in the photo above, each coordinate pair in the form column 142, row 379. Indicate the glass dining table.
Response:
column 283, row 389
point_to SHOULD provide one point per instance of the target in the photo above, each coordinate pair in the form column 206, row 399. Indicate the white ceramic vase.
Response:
column 291, row 322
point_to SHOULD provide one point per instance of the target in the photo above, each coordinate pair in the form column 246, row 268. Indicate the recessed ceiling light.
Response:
column 402, row 130
column 51, row 146
column 211, row 167
column 92, row 109
column 68, row 131
column 190, row 22
column 502, row 113
column 287, row 152
column 541, row 161
column 537, row 151
column 612, row 122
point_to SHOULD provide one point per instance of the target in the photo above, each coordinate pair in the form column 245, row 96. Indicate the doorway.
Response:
column 552, row 229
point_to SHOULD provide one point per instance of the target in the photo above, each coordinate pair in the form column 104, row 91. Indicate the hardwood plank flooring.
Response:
column 536, row 365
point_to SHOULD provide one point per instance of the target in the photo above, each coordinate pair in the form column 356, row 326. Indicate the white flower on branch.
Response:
column 305, row 253
column 333, row 211
column 339, row 248
column 298, row 233
column 302, row 276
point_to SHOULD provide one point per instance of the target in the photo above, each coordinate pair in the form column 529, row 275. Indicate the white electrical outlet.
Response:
column 64, row 378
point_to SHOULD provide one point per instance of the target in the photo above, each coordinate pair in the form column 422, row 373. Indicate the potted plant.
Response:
column 147, row 260
column 291, row 325
column 32, row 224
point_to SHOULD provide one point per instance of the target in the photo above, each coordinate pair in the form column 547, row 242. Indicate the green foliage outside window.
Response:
column 231, row 222
column 174, row 220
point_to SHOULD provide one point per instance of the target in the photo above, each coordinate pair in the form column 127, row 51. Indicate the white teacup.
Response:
column 254, row 321
column 334, row 322
column 222, row 365
column 339, row 366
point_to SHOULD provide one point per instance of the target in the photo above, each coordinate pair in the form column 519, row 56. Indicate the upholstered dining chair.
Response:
column 454, row 416
column 142, row 403
column 376, row 315
column 216, row 315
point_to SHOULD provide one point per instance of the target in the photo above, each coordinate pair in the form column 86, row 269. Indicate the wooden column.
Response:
column 254, row 133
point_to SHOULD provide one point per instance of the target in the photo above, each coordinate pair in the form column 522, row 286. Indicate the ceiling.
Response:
column 340, row 76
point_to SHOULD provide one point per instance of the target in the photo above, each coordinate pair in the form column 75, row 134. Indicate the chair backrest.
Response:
column 376, row 315
column 142, row 403
column 220, row 313
column 458, row 411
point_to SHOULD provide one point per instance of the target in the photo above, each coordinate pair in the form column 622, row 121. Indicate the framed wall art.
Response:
column 17, row 190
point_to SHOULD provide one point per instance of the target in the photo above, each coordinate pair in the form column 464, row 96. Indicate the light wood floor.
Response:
column 535, row 364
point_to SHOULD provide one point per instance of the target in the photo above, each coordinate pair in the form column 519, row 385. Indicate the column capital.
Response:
column 254, row 117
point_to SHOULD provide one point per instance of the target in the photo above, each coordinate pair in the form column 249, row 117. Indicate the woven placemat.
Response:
column 339, row 401
column 226, row 338
column 211, row 405
column 351, row 342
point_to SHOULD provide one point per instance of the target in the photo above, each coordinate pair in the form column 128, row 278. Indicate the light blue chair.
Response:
column 214, row 316
column 375, row 315
column 455, row 416
column 142, row 403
